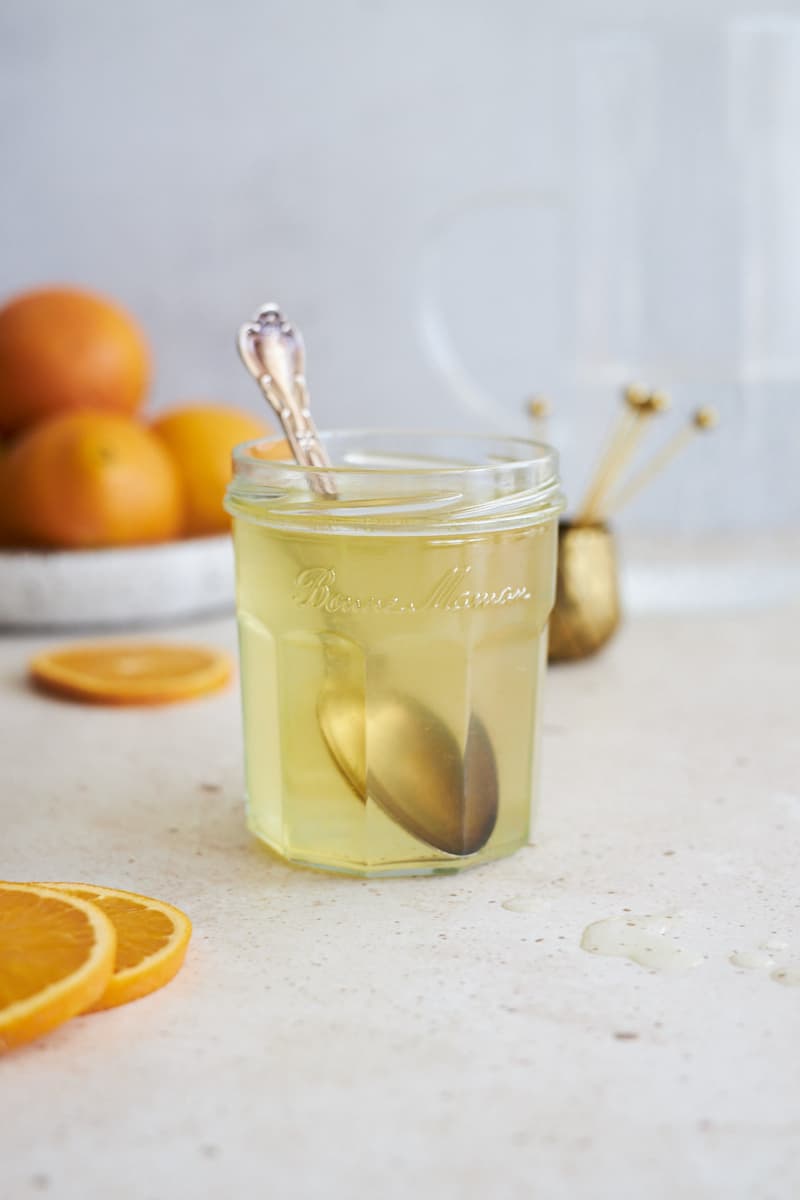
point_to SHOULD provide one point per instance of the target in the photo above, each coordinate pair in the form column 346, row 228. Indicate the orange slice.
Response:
column 276, row 452
column 56, row 959
column 152, row 938
column 131, row 672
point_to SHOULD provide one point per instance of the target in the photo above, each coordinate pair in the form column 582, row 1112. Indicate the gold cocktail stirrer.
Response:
column 538, row 409
column 587, row 610
column 634, row 400
column 641, row 407
column 702, row 420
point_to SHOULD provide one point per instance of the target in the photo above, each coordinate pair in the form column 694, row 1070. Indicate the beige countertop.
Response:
column 442, row 1037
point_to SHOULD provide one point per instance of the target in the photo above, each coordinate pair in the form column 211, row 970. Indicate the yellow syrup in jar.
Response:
column 453, row 623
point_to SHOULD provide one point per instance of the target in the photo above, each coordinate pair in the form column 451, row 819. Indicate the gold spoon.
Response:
column 389, row 746
column 413, row 768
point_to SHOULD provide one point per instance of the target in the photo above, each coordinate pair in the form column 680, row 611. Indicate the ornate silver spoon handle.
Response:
column 272, row 350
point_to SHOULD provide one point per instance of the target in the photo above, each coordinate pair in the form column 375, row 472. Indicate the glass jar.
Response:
column 393, row 641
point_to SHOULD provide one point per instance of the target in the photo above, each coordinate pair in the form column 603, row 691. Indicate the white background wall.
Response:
column 621, row 183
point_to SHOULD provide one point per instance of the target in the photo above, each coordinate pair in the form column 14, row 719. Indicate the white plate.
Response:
column 136, row 585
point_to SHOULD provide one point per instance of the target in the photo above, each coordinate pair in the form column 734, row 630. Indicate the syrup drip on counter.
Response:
column 752, row 960
column 648, row 940
column 788, row 976
column 525, row 904
column 768, row 957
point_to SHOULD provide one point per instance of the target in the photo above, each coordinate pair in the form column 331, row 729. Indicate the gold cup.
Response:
column 586, row 611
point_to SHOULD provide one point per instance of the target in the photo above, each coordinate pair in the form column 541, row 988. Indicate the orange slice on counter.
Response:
column 152, row 939
column 56, row 959
column 131, row 672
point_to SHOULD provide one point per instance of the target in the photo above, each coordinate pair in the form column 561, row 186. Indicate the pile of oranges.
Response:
column 80, row 466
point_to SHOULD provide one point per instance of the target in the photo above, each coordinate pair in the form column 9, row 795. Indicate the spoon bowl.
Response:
column 395, row 751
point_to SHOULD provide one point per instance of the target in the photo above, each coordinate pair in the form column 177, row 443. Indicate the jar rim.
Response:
column 546, row 455
column 400, row 481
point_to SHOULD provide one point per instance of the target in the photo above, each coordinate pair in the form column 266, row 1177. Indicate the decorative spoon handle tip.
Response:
column 273, row 352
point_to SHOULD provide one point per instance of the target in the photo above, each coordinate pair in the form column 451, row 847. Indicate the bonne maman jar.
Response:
column 393, row 639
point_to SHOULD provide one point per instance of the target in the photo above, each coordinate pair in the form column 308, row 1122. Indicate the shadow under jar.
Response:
column 393, row 640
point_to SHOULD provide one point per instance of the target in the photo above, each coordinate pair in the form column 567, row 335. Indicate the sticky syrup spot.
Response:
column 752, row 960
column 525, row 904
column 650, row 941
column 788, row 976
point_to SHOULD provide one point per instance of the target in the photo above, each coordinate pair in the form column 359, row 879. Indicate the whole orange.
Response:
column 64, row 349
column 200, row 439
column 5, row 524
column 91, row 479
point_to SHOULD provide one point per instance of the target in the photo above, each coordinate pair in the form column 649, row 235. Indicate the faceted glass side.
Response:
column 390, row 690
